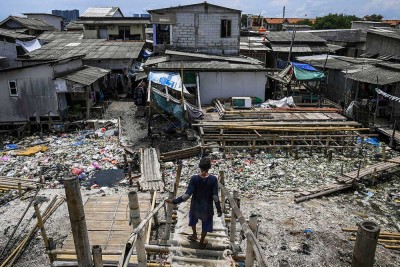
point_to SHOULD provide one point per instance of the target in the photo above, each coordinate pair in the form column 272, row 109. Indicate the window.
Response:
column 225, row 28
column 91, row 27
column 12, row 85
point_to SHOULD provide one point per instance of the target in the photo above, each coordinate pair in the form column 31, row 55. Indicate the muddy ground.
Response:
column 266, row 188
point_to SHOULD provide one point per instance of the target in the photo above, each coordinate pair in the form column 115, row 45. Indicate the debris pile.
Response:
column 81, row 153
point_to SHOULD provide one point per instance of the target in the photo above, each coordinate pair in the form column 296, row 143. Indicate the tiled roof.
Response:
column 392, row 22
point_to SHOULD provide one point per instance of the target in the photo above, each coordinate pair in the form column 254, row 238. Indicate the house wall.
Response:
column 57, row 22
column 228, row 84
column 200, row 30
column 113, row 30
column 381, row 44
column 9, row 51
column 338, row 89
column 36, row 91
column 36, row 94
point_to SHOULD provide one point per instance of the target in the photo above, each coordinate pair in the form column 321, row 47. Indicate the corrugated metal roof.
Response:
column 93, row 49
column 116, row 21
column 53, row 35
column 73, row 26
column 239, row 59
column 169, row 9
column 285, row 48
column 101, row 12
column 208, row 66
column 392, row 33
column 253, row 43
column 376, row 75
column 86, row 76
column 14, row 34
column 30, row 23
column 286, row 37
column 156, row 60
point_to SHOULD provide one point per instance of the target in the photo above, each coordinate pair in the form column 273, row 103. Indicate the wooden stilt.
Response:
column 78, row 222
column 97, row 256
column 384, row 152
column 250, row 257
column 19, row 189
column 135, row 221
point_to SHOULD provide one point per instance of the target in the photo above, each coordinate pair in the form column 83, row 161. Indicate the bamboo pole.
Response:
column 168, row 219
column 250, row 257
column 97, row 256
column 19, row 222
column 365, row 246
column 42, row 229
column 20, row 189
column 232, row 236
column 177, row 179
column 78, row 222
column 222, row 181
column 135, row 221
column 48, row 212
column 246, row 229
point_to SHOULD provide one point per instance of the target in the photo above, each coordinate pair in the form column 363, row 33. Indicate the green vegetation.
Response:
column 374, row 17
column 335, row 21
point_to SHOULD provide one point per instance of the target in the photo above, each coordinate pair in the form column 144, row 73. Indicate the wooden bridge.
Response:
column 346, row 181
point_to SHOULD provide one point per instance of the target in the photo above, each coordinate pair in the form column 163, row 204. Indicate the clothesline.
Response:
column 391, row 97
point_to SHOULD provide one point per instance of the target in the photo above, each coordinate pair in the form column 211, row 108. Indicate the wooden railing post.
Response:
column 168, row 219
column 135, row 221
column 233, row 218
column 97, row 256
column 250, row 256
column 78, row 222
column 42, row 230
column 20, row 189
column 222, row 181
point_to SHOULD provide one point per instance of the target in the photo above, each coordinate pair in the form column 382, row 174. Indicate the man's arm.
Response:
column 186, row 195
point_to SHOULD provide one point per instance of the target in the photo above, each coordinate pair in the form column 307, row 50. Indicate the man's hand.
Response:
column 219, row 209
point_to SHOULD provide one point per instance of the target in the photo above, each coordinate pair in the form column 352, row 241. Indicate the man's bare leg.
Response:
column 194, row 235
column 203, row 236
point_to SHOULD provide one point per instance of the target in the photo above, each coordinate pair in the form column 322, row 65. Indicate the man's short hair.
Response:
column 205, row 164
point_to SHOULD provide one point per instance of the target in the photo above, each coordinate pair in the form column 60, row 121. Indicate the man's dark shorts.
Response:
column 206, row 225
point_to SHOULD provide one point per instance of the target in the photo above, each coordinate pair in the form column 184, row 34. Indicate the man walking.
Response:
column 203, row 188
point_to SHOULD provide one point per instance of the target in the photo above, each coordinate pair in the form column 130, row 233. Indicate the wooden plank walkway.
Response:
column 345, row 181
column 107, row 220
column 389, row 133
column 218, row 240
column 150, row 169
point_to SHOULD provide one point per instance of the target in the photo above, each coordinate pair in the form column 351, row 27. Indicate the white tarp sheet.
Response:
column 286, row 102
column 169, row 79
column 61, row 85
column 29, row 46
column 391, row 97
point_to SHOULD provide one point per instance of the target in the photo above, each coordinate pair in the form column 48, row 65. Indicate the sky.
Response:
column 390, row 9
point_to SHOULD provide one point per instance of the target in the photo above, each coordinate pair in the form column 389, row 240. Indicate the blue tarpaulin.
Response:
column 306, row 75
column 303, row 66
